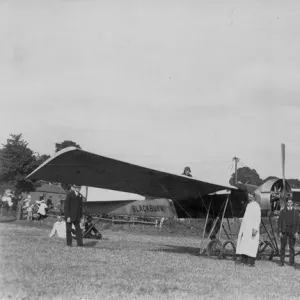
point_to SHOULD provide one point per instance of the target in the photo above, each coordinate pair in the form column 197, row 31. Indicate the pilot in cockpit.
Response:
column 187, row 172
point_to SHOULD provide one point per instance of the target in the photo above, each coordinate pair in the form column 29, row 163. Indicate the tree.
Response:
column 270, row 178
column 250, row 176
column 294, row 183
column 41, row 158
column 17, row 161
column 246, row 175
column 65, row 144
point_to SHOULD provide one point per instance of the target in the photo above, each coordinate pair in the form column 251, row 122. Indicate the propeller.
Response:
column 283, row 197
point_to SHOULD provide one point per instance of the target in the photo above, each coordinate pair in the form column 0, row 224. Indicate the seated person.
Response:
column 90, row 229
column 187, row 172
column 59, row 228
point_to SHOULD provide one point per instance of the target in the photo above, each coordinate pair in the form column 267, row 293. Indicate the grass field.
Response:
column 131, row 265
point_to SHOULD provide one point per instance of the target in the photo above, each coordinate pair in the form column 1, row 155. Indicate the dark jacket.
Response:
column 283, row 220
column 73, row 207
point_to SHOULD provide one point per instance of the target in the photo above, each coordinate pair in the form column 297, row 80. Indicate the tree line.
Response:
column 17, row 161
column 250, row 176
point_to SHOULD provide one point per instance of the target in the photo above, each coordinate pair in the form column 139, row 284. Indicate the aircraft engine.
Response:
column 269, row 195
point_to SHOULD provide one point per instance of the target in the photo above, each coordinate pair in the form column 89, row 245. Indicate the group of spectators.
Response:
column 24, row 207
column 7, row 200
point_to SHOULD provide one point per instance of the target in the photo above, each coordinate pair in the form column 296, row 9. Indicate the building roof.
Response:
column 51, row 188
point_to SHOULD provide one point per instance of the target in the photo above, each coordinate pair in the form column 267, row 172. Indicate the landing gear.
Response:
column 229, row 249
column 266, row 250
column 214, row 248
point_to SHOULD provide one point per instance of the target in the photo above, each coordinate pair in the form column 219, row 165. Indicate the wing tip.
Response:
column 58, row 153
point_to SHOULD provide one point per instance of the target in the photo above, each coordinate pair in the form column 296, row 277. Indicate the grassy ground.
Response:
column 130, row 265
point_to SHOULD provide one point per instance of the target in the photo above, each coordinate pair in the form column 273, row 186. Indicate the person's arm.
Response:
column 280, row 224
column 67, row 206
column 256, row 219
column 297, row 217
column 80, row 207
column 298, row 221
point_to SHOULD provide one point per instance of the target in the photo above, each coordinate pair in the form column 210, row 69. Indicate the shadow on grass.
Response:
column 194, row 251
column 90, row 244
column 4, row 219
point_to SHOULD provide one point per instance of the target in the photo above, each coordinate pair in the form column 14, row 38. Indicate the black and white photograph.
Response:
column 149, row 149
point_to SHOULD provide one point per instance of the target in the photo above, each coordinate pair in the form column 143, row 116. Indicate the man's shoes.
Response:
column 81, row 245
column 281, row 264
column 251, row 265
column 292, row 264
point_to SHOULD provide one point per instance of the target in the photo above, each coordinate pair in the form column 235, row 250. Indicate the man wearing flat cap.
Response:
column 288, row 228
column 248, row 239
column 73, row 214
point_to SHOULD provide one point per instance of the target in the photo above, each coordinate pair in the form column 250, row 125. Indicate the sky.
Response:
column 162, row 84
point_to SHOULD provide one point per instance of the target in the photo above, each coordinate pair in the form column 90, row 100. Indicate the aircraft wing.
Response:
column 76, row 166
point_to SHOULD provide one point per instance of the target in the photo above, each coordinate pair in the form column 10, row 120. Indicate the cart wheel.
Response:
column 228, row 249
column 265, row 249
column 214, row 248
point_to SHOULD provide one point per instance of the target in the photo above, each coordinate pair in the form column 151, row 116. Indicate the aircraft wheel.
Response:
column 214, row 248
column 229, row 249
column 265, row 250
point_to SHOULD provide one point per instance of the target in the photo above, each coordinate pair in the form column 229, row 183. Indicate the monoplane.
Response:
column 192, row 198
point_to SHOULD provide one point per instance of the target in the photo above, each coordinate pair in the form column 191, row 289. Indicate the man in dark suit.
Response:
column 288, row 227
column 73, row 214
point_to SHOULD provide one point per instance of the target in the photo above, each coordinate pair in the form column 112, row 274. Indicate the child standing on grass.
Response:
column 29, row 212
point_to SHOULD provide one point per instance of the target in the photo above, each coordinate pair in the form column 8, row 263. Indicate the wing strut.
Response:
column 202, row 201
column 173, row 198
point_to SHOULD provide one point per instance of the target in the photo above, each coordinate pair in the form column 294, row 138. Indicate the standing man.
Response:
column 248, row 239
column 288, row 227
column 73, row 214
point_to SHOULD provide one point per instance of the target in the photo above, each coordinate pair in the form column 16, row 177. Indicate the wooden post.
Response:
column 161, row 222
